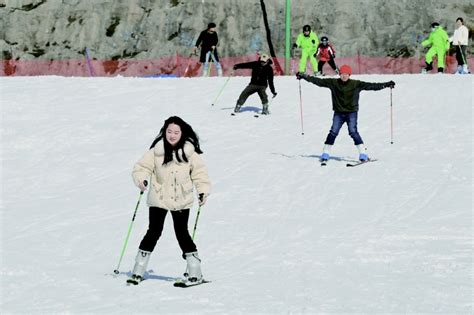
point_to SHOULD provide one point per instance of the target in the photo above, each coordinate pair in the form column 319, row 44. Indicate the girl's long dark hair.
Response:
column 187, row 134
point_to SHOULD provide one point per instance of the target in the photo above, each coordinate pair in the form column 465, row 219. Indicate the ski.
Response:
column 134, row 280
column 256, row 115
column 360, row 163
column 186, row 284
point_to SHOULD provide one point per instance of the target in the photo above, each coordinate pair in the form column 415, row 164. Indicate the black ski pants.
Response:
column 461, row 54
column 330, row 62
column 155, row 228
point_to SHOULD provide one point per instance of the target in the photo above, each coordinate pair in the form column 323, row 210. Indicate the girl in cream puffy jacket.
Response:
column 173, row 167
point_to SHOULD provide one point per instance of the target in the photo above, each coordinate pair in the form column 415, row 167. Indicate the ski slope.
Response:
column 279, row 235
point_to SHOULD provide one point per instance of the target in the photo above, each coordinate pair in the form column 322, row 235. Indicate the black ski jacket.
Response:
column 206, row 40
column 261, row 74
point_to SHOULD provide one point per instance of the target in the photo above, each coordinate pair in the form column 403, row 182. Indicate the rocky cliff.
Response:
column 148, row 29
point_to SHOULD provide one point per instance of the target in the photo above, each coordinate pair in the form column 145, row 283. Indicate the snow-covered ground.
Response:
column 279, row 235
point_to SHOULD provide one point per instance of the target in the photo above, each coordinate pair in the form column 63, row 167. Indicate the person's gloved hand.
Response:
column 295, row 46
column 234, row 67
column 299, row 75
column 390, row 84
column 143, row 185
column 333, row 56
column 313, row 41
column 274, row 94
column 202, row 199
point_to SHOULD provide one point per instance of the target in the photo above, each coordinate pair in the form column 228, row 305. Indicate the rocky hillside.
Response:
column 147, row 29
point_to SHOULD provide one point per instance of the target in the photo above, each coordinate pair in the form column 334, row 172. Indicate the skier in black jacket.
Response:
column 262, row 76
column 208, row 40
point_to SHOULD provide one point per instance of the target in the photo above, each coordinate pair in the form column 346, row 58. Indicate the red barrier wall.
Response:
column 182, row 66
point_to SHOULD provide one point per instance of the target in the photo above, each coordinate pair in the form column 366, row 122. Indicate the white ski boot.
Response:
column 193, row 273
column 464, row 70
column 141, row 262
column 237, row 108
column 219, row 71
column 205, row 69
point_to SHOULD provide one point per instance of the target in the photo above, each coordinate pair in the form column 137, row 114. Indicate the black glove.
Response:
column 315, row 55
column 299, row 75
column 274, row 94
column 313, row 41
column 333, row 56
column 234, row 67
column 202, row 199
column 295, row 46
column 390, row 84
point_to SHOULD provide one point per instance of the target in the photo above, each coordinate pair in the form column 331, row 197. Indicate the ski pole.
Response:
column 301, row 109
column 462, row 54
column 116, row 271
column 391, row 117
column 196, row 222
column 189, row 64
column 222, row 89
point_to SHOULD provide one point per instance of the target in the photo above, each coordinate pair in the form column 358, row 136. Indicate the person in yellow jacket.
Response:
column 173, row 167
column 439, row 41
column 308, row 42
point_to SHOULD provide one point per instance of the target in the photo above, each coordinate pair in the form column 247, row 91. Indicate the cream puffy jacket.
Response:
column 171, row 185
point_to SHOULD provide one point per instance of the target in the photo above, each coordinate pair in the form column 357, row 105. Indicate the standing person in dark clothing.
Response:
column 345, row 103
column 208, row 40
column 262, row 76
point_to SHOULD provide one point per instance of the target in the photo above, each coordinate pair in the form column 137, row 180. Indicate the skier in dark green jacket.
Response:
column 345, row 103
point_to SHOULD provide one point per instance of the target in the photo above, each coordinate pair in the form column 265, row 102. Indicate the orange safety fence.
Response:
column 184, row 66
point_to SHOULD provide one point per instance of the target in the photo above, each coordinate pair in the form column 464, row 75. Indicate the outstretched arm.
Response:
column 317, row 81
column 245, row 65
column 368, row 86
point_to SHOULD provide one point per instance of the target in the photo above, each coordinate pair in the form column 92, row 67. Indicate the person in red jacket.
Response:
column 326, row 53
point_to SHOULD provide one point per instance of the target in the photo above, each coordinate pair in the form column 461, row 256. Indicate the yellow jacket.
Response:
column 309, row 44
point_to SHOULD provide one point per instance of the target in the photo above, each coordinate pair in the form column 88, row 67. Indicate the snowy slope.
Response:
column 279, row 235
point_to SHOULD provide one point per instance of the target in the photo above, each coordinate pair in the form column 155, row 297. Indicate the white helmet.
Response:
column 264, row 57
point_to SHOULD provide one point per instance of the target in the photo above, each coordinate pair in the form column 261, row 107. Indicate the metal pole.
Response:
column 196, row 223
column 391, row 117
column 301, row 109
column 226, row 81
column 288, row 37
column 116, row 271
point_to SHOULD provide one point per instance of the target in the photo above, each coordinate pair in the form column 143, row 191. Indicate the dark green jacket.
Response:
column 345, row 95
